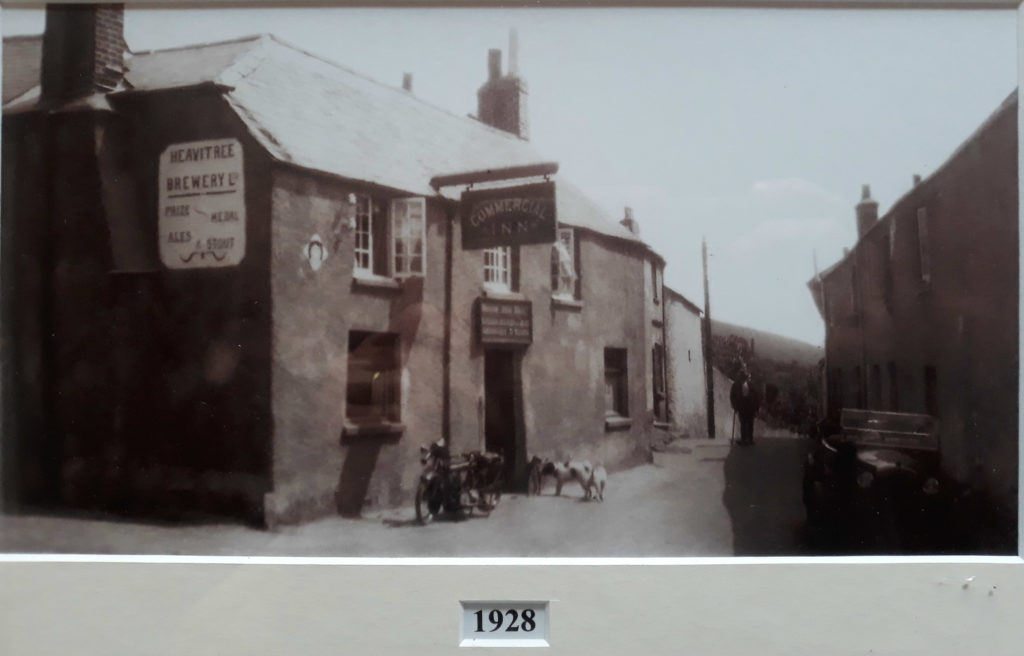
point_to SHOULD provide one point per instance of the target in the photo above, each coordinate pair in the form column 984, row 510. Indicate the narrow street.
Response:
column 705, row 498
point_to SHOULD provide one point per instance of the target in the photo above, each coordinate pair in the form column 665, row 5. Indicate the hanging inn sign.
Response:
column 510, row 216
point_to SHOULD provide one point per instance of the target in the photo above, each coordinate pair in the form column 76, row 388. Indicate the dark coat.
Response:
column 745, row 405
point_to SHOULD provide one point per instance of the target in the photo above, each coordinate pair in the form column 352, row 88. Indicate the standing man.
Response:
column 745, row 403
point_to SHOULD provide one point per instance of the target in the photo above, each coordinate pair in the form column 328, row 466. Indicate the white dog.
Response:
column 595, row 484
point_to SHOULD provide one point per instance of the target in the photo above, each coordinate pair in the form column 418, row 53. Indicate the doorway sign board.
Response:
column 202, row 204
column 504, row 322
column 510, row 216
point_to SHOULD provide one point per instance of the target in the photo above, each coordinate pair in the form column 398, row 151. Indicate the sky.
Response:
column 751, row 128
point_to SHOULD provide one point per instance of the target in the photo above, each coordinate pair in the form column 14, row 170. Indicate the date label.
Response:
column 504, row 624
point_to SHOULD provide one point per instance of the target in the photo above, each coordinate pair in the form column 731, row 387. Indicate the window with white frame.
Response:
column 364, row 233
column 498, row 268
column 564, row 274
column 408, row 237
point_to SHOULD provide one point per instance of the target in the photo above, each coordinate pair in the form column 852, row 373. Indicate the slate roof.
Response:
column 320, row 115
column 291, row 99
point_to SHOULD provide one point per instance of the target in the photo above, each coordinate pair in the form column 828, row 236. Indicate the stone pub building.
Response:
column 233, row 285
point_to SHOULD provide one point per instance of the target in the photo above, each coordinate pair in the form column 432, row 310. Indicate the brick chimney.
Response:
column 501, row 101
column 867, row 211
column 83, row 51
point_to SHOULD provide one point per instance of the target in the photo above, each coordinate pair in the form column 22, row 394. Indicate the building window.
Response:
column 924, row 254
column 835, row 390
column 564, row 272
column 858, row 382
column 409, row 236
column 854, row 301
column 894, row 389
column 616, row 396
column 656, row 281
column 876, row 387
column 364, row 233
column 658, row 382
column 931, row 391
column 498, row 268
column 892, row 238
column 887, row 279
column 374, row 376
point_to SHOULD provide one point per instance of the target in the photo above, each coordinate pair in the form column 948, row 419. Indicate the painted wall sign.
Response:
column 202, row 204
column 509, row 216
column 504, row 322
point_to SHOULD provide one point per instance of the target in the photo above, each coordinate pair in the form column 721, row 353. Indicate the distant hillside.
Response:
column 770, row 346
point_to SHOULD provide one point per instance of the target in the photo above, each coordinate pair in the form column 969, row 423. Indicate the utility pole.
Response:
column 709, row 380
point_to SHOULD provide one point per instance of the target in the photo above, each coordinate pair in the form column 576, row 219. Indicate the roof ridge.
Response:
column 398, row 91
column 209, row 44
column 22, row 37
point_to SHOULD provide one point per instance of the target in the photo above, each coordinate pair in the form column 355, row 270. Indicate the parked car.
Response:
column 874, row 482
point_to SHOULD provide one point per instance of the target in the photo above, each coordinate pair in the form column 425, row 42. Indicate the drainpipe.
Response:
column 446, row 360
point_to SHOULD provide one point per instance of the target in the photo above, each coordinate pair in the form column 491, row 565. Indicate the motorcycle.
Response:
column 468, row 482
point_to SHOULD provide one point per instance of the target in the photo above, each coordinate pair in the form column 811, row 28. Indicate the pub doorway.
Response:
column 503, row 413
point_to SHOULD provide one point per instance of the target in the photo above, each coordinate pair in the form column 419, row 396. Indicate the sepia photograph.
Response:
column 453, row 282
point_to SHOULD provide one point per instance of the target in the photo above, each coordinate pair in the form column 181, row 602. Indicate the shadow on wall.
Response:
column 354, row 482
column 362, row 454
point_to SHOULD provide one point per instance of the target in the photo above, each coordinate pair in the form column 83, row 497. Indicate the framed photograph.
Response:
column 599, row 329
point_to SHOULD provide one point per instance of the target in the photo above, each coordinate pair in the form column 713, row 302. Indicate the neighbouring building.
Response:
column 231, row 287
column 921, row 314
column 686, row 372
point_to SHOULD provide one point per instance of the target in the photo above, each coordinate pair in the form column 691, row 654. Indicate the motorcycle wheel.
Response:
column 428, row 505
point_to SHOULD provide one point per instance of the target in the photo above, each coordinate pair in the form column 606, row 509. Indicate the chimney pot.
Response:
column 513, row 52
column 865, row 192
column 493, row 64
column 407, row 81
column 629, row 222
column 917, row 179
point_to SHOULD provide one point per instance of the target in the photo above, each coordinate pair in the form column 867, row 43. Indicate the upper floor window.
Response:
column 656, row 281
column 389, row 248
column 922, row 245
column 409, row 236
column 854, row 299
column 564, row 276
column 364, row 233
column 498, row 268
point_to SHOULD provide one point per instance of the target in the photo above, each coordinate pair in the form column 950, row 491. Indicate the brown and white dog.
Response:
column 563, row 472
